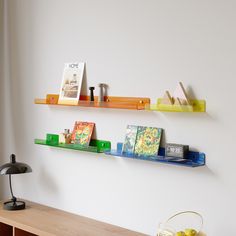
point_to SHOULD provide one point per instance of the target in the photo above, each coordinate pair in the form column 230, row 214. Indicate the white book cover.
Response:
column 71, row 83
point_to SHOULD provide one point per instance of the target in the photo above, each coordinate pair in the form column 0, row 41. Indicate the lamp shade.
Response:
column 14, row 167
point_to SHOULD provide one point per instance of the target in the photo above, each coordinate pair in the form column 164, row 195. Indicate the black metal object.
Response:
column 176, row 150
column 91, row 93
column 13, row 204
column 10, row 168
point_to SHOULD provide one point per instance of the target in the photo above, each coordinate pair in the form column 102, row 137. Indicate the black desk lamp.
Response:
column 14, row 168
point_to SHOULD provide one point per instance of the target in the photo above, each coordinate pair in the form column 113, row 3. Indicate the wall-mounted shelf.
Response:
column 193, row 159
column 197, row 106
column 95, row 145
column 133, row 103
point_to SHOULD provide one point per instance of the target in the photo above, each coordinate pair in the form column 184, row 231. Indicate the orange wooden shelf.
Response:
column 132, row 103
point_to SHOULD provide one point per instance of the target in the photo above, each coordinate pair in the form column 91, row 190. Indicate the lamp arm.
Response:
column 13, row 198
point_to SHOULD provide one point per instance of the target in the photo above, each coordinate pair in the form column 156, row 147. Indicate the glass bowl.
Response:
column 180, row 222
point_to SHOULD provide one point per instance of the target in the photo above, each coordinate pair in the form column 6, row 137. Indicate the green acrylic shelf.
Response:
column 99, row 146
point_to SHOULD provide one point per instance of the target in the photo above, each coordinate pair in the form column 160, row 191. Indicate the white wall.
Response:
column 1, row 90
column 1, row 67
column 139, row 48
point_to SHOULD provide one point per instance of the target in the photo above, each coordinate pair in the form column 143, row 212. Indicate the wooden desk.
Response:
column 41, row 220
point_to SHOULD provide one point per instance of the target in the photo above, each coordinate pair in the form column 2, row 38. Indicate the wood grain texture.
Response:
column 46, row 221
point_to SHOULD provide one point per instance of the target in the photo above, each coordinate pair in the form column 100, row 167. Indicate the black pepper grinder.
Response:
column 91, row 93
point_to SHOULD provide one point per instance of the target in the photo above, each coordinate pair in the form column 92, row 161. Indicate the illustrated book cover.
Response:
column 147, row 141
column 82, row 133
column 130, row 138
column 71, row 83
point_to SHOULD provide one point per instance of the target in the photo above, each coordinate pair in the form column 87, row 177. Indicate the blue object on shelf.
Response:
column 192, row 159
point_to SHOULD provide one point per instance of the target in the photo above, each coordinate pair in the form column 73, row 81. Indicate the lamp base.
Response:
column 14, row 205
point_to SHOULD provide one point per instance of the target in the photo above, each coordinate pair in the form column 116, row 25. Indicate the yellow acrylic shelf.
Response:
column 197, row 106
column 132, row 103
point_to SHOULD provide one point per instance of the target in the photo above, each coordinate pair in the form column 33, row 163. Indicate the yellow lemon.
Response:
column 180, row 233
column 190, row 232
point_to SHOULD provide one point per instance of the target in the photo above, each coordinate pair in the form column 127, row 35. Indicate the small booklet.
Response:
column 71, row 83
column 82, row 133
column 130, row 138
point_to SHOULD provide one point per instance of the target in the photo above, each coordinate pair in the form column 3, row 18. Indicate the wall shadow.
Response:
column 1, row 91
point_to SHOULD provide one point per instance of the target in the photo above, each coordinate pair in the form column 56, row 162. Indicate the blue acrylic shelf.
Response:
column 193, row 159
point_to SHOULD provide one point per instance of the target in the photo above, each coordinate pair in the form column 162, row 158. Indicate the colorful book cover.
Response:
column 147, row 141
column 130, row 138
column 82, row 133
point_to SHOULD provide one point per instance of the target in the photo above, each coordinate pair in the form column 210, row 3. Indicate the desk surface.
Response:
column 46, row 221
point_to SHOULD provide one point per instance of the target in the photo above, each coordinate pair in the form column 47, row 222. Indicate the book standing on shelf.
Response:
column 147, row 141
column 82, row 133
column 130, row 138
column 71, row 83
column 142, row 141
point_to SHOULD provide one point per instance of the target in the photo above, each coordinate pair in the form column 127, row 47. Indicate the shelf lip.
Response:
column 159, row 159
column 197, row 106
column 193, row 159
column 99, row 146
column 132, row 103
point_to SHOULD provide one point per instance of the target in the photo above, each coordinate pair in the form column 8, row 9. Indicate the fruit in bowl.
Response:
column 190, row 232
column 180, row 233
column 187, row 232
